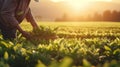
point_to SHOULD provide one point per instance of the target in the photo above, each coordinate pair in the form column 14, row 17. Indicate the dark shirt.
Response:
column 12, row 12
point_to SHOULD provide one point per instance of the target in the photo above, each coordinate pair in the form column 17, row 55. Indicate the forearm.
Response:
column 34, row 24
column 31, row 19
column 19, row 28
column 24, row 33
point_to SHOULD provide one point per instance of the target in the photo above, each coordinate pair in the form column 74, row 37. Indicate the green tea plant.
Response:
column 43, row 34
column 64, row 45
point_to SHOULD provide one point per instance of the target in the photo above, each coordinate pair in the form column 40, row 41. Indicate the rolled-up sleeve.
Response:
column 7, row 13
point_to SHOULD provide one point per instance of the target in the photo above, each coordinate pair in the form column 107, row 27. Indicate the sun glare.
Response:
column 57, row 0
column 77, row 4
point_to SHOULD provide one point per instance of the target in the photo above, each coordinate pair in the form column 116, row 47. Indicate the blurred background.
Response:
column 76, row 10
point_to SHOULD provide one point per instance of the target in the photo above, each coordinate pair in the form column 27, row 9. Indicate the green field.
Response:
column 64, row 44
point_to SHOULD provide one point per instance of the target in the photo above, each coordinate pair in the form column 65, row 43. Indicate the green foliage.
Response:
column 86, row 63
column 2, row 64
column 43, row 34
column 6, row 56
column 84, row 45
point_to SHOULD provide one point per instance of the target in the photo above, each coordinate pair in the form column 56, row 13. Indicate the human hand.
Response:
column 35, row 27
column 26, row 35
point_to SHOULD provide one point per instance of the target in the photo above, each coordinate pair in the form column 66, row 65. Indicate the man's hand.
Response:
column 26, row 35
column 34, row 25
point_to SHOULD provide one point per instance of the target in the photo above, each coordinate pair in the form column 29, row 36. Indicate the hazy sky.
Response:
column 79, row 0
column 51, row 9
column 85, row 0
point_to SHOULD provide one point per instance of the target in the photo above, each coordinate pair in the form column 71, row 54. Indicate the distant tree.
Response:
column 97, row 17
column 115, row 16
column 107, row 15
column 58, row 19
column 119, row 16
column 64, row 18
column 88, row 18
column 80, row 18
column 38, row 18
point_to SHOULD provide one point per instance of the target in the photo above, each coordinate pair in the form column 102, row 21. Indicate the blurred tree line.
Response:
column 38, row 18
column 108, row 15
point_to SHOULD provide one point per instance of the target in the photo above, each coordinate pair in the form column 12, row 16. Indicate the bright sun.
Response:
column 77, row 4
